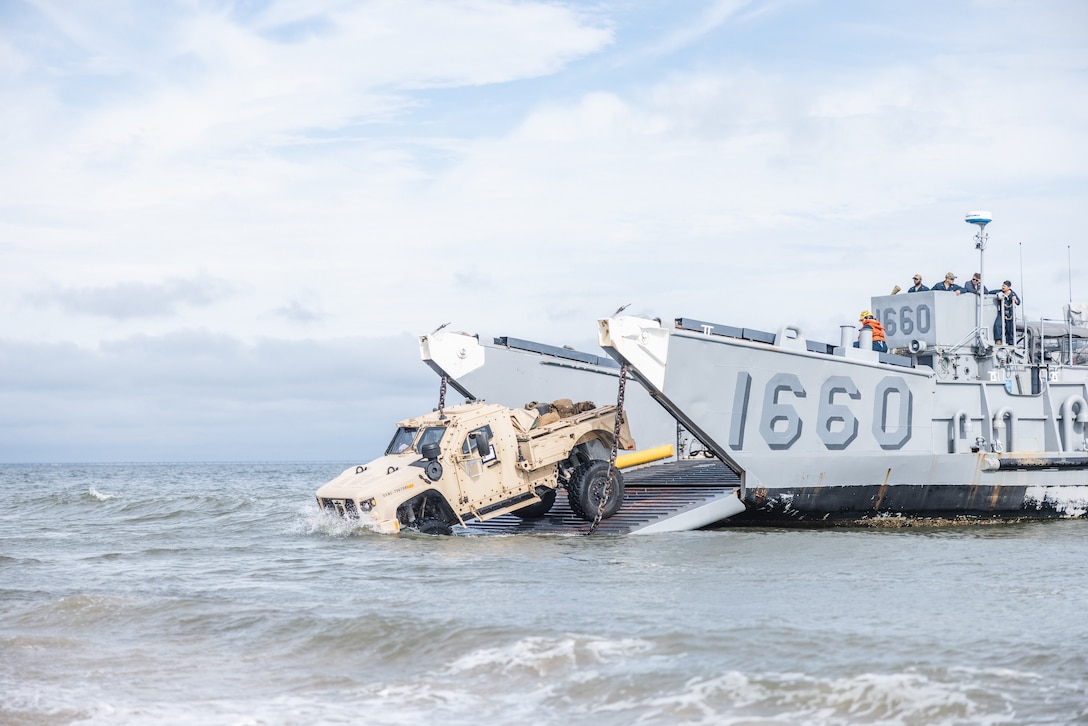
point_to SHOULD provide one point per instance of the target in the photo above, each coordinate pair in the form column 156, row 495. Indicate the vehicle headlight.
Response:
column 367, row 504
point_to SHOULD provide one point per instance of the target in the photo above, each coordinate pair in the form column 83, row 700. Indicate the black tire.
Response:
column 586, row 488
column 431, row 525
column 537, row 509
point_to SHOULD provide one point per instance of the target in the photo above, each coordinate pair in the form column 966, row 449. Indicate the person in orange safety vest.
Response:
column 868, row 320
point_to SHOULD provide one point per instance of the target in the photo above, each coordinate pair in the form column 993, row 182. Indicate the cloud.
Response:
column 712, row 17
column 199, row 78
column 369, row 170
column 298, row 312
column 129, row 300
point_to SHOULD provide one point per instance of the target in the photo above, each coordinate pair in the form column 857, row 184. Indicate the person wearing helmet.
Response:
column 868, row 320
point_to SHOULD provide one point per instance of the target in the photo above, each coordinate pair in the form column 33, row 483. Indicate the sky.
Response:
column 224, row 225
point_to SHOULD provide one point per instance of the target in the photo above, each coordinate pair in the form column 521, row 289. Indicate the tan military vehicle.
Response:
column 479, row 460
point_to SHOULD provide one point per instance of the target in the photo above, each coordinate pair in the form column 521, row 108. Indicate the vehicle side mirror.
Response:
column 431, row 451
column 483, row 443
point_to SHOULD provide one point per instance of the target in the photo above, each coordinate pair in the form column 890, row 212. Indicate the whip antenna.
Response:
column 1069, row 269
column 1069, row 316
column 1023, row 310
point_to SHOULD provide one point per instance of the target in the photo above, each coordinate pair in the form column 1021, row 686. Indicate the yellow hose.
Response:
column 644, row 457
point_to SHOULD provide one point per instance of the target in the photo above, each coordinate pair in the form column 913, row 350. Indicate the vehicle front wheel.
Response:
column 431, row 525
column 537, row 509
column 586, row 489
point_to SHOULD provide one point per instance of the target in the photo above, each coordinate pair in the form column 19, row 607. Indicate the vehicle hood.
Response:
column 380, row 478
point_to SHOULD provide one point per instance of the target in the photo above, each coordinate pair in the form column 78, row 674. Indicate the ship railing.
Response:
column 1057, row 341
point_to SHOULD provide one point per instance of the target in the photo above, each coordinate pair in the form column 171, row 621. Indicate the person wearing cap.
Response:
column 1006, row 298
column 949, row 284
column 868, row 320
column 974, row 285
column 918, row 286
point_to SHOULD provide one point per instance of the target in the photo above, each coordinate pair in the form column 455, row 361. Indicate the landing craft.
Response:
column 946, row 424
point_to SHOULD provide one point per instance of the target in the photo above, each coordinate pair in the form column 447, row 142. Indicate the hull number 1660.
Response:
column 780, row 425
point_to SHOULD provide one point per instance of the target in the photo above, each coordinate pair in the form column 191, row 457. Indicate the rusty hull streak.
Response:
column 979, row 467
column 883, row 490
column 972, row 492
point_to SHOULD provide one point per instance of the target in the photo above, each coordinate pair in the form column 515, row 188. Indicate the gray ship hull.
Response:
column 822, row 433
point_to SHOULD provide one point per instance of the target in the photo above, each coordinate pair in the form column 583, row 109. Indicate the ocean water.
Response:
column 219, row 594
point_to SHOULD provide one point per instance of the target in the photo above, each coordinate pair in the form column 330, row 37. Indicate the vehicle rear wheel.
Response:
column 537, row 509
column 587, row 488
column 431, row 525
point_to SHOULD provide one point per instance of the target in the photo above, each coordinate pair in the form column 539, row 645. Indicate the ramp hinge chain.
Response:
column 442, row 394
column 615, row 451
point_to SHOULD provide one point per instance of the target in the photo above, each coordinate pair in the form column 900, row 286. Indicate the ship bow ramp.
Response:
column 675, row 497
column 660, row 496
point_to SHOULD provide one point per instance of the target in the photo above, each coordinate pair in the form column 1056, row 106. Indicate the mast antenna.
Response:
column 981, row 219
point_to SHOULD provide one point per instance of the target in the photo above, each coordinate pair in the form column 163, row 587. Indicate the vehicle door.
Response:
column 479, row 474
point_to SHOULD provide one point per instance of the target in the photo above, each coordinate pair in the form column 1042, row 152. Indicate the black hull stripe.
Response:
column 923, row 500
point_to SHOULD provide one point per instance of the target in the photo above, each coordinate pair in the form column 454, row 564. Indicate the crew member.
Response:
column 949, row 284
column 868, row 320
column 1006, row 299
column 918, row 286
column 975, row 285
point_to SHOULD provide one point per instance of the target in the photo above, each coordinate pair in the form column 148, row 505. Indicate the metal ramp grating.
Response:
column 664, row 497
